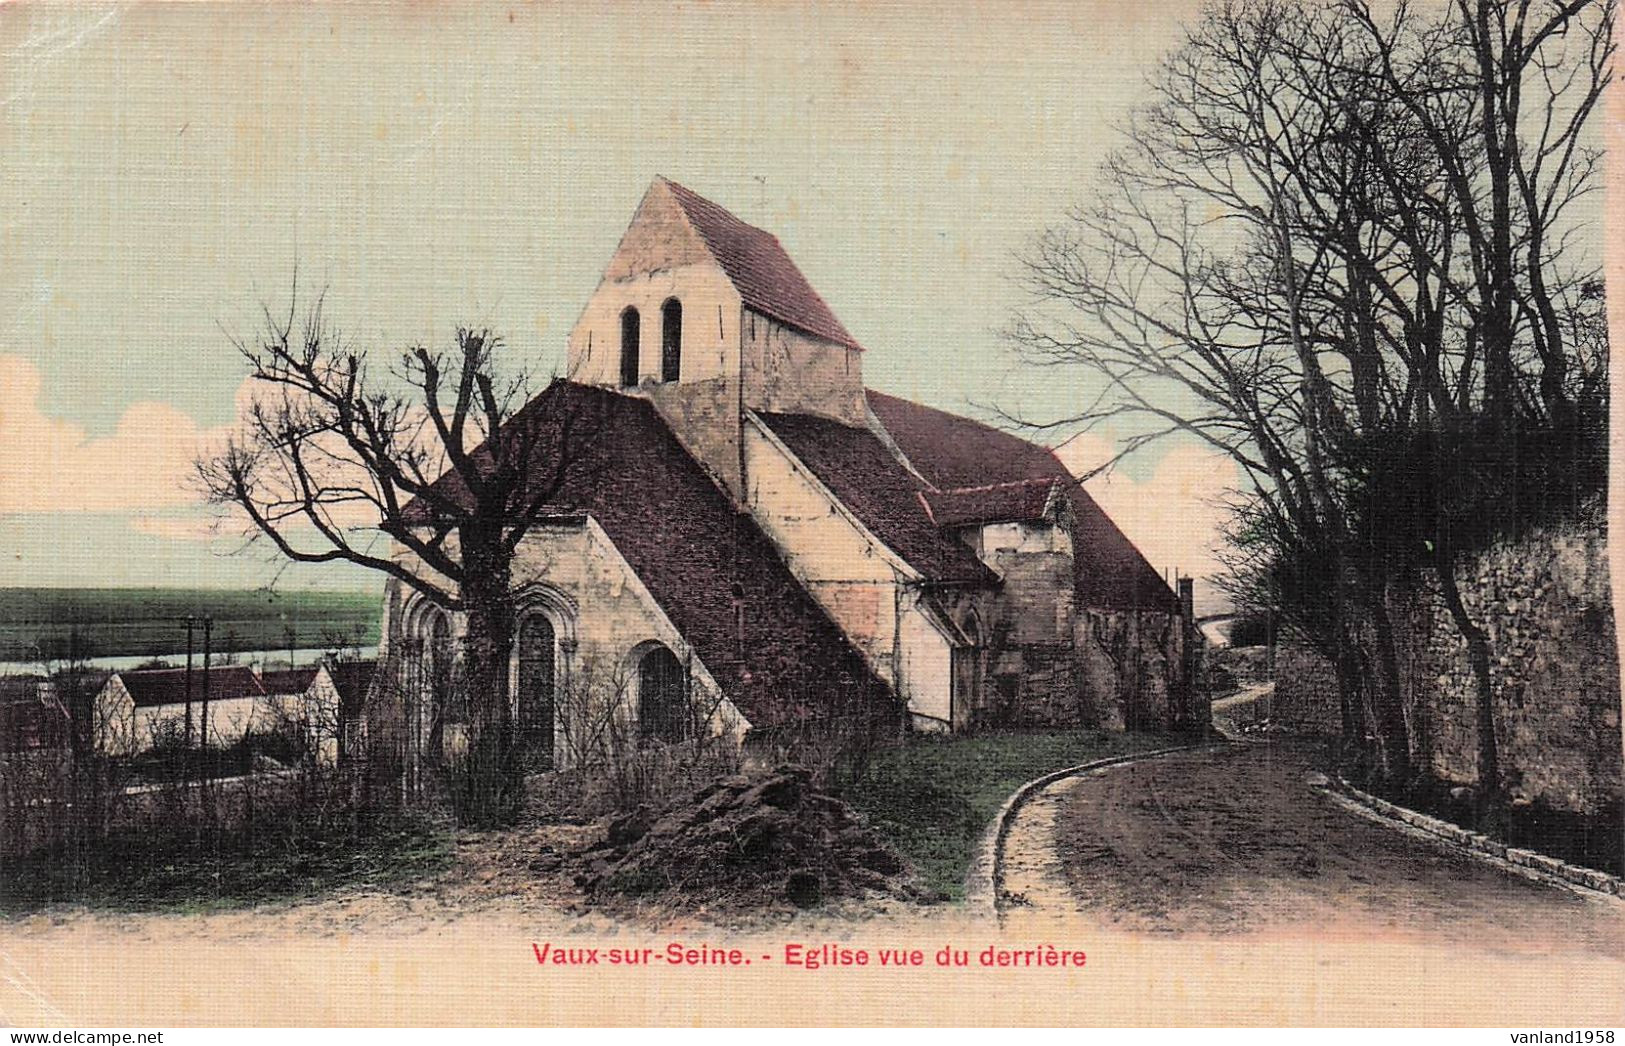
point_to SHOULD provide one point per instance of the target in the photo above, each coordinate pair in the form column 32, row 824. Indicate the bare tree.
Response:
column 438, row 453
column 1335, row 242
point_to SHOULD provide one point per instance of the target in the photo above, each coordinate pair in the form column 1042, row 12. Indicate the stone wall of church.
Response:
column 926, row 667
column 1133, row 671
column 858, row 582
column 852, row 576
column 704, row 416
column 602, row 617
column 1030, row 669
column 710, row 327
column 789, row 372
column 660, row 257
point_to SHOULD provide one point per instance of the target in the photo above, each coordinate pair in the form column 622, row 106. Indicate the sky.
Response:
column 165, row 169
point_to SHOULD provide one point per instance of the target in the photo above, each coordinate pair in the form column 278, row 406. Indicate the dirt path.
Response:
column 1233, row 841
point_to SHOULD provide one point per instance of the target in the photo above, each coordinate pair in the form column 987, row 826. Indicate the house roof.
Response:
column 761, row 270
column 773, row 651
column 288, row 680
column 1018, row 501
column 954, row 452
column 26, row 725
column 151, row 687
column 29, row 689
column 867, row 478
column 352, row 679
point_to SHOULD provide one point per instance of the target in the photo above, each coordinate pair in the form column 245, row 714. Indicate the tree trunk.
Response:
column 488, row 782
column 1387, row 696
column 1352, row 750
column 1383, row 737
column 1478, row 656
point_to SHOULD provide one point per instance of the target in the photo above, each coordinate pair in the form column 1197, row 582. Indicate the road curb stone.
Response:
column 1476, row 844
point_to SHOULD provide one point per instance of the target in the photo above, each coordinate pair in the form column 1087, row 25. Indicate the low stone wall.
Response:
column 1545, row 604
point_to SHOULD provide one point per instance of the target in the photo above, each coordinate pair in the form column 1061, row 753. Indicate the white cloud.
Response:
column 142, row 471
column 1176, row 515
column 51, row 465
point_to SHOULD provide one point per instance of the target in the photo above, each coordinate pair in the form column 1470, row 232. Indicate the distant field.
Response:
column 117, row 622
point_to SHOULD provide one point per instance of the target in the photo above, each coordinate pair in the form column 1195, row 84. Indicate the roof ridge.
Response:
column 995, row 486
column 925, row 503
column 183, row 668
column 701, row 198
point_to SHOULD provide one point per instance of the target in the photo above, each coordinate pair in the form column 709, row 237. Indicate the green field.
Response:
column 145, row 622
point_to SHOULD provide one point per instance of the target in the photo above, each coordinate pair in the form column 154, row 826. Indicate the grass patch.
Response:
column 191, row 873
column 933, row 797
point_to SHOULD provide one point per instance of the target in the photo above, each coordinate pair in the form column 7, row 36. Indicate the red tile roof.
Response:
column 36, row 721
column 865, row 476
column 1019, row 501
column 284, row 681
column 773, row 651
column 150, row 687
column 760, row 269
column 952, row 451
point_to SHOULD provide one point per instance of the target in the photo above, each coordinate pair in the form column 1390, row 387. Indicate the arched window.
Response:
column 629, row 347
column 536, row 684
column 671, row 340
column 662, row 696
column 973, row 628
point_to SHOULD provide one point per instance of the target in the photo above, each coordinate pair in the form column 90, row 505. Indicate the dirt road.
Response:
column 1234, row 841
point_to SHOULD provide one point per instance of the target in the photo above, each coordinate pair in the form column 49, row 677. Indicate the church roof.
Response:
column 761, row 270
column 774, row 652
column 867, row 478
column 1018, row 501
column 954, row 452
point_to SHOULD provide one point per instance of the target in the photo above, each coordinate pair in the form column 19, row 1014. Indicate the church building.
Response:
column 758, row 540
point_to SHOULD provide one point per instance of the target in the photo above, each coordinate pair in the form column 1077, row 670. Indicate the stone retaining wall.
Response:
column 1545, row 603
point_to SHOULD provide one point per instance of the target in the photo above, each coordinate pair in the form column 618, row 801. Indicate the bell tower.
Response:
column 707, row 317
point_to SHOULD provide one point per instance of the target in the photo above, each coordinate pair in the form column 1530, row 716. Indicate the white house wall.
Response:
column 316, row 712
column 114, row 728
column 228, row 720
column 124, row 729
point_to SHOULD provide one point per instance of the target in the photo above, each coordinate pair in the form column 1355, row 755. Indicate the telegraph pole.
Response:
column 203, row 728
column 190, row 622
